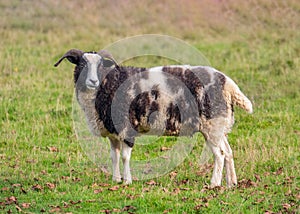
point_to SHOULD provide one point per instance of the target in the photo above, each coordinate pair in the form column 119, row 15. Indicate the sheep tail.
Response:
column 237, row 97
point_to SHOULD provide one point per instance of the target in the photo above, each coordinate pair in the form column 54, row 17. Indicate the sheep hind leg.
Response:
column 217, row 149
column 126, row 154
column 115, row 158
column 231, row 179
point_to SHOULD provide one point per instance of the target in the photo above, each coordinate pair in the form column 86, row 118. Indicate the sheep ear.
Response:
column 72, row 55
column 107, row 63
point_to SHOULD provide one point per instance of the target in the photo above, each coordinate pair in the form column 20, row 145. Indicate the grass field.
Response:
column 44, row 169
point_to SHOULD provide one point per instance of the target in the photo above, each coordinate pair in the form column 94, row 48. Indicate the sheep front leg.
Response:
column 115, row 158
column 126, row 154
column 231, row 179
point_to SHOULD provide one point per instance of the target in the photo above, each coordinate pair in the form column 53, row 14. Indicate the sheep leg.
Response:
column 126, row 154
column 231, row 179
column 115, row 158
column 219, row 159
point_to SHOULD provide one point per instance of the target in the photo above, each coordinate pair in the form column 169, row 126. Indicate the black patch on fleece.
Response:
column 154, row 106
column 213, row 103
column 130, row 142
column 105, row 95
column 186, row 76
column 139, row 108
column 173, row 120
column 190, row 97
column 207, row 94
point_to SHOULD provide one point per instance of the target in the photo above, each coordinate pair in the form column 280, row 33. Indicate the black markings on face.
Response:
column 78, row 69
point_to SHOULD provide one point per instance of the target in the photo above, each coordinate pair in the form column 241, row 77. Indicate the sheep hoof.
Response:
column 214, row 186
column 118, row 180
column 127, row 182
column 231, row 185
column 231, row 182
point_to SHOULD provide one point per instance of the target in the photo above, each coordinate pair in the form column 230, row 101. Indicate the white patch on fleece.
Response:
column 158, row 77
column 185, row 67
column 211, row 71
column 155, row 77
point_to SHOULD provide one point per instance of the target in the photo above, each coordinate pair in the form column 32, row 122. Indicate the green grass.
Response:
column 43, row 167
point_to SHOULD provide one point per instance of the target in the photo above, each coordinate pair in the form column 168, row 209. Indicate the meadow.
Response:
column 43, row 168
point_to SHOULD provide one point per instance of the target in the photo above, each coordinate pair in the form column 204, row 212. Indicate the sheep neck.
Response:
column 86, row 100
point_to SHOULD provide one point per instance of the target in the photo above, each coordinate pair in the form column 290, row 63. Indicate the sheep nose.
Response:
column 94, row 82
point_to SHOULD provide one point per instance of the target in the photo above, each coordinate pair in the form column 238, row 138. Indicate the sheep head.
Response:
column 89, row 66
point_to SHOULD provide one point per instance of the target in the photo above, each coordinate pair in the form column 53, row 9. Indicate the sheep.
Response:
column 166, row 100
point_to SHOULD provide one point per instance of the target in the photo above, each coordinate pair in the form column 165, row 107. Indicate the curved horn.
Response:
column 72, row 55
column 105, row 53
column 108, row 59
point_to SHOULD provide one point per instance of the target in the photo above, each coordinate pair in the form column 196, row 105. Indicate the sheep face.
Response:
column 90, row 67
column 93, row 68
column 92, row 62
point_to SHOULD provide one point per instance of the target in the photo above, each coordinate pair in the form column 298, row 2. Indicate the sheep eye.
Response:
column 108, row 62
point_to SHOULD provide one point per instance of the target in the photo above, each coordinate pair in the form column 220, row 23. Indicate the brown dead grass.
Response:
column 188, row 19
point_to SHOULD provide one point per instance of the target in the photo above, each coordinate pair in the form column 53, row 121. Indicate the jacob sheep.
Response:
column 173, row 100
